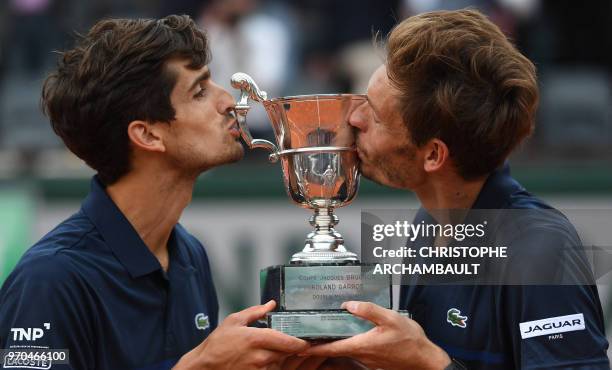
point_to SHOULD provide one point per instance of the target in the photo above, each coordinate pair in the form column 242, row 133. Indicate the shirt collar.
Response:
column 496, row 193
column 498, row 189
column 120, row 235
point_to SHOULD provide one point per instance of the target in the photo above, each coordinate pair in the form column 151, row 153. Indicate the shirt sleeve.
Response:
column 556, row 326
column 43, row 306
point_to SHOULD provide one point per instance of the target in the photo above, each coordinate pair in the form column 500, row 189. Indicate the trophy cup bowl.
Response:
column 316, row 148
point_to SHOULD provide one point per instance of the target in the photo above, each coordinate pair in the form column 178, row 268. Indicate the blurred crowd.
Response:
column 315, row 46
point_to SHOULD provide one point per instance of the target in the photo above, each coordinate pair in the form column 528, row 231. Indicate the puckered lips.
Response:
column 233, row 128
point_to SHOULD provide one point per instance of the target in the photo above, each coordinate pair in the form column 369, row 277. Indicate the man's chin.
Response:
column 238, row 156
column 371, row 173
column 234, row 156
column 367, row 172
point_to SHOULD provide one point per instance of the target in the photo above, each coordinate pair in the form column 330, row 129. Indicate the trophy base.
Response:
column 320, row 325
column 309, row 297
column 320, row 287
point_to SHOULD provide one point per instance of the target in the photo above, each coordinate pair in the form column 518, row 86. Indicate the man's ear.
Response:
column 436, row 155
column 146, row 136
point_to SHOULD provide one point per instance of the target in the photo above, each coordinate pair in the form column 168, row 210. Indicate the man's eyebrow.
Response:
column 204, row 76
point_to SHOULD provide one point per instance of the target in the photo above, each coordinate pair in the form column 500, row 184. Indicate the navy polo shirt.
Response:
column 93, row 287
column 511, row 326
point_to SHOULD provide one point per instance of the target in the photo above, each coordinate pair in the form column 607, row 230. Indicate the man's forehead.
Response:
column 381, row 90
column 378, row 78
column 179, row 67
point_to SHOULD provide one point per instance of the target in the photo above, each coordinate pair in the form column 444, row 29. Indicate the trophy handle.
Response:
column 249, row 90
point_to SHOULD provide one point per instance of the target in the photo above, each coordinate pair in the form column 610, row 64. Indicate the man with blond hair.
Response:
column 444, row 112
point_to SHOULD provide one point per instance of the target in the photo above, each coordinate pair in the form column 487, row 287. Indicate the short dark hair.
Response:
column 462, row 81
column 114, row 75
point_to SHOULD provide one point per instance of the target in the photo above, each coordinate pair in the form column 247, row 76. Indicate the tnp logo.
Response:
column 29, row 334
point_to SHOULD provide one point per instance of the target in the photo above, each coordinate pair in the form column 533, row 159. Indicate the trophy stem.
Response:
column 324, row 220
column 324, row 244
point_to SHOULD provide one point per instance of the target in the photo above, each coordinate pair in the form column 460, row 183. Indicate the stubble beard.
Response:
column 234, row 152
column 393, row 173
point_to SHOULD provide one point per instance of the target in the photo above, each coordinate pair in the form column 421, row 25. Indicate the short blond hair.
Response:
column 463, row 82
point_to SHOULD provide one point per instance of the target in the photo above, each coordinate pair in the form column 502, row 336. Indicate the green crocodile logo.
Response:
column 201, row 321
column 453, row 316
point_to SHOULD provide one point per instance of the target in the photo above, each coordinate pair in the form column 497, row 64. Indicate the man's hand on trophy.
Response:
column 234, row 345
column 396, row 342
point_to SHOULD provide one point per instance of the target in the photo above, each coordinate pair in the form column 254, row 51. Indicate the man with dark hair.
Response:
column 120, row 284
column 453, row 99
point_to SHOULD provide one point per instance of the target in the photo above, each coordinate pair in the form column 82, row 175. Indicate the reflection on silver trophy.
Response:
column 318, row 157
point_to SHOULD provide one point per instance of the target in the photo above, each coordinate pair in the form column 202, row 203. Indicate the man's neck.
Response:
column 450, row 192
column 153, row 205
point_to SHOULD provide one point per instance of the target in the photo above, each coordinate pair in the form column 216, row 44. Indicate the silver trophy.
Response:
column 318, row 157
column 316, row 148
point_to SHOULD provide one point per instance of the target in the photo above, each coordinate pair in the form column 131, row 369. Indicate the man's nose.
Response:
column 359, row 117
column 226, row 102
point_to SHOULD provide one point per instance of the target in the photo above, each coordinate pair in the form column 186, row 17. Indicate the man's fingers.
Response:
column 371, row 312
column 248, row 315
column 273, row 340
column 265, row 359
column 344, row 347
